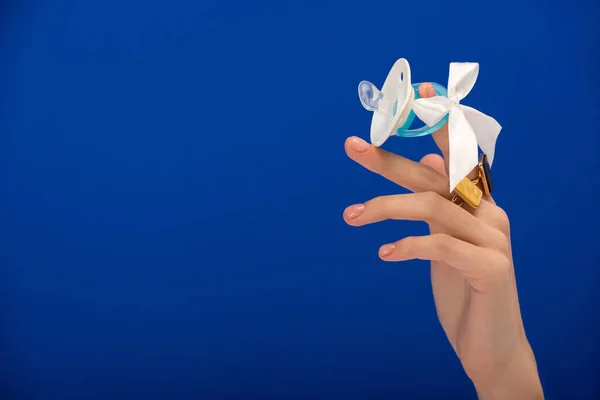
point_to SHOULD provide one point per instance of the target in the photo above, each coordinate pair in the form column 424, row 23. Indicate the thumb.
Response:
column 441, row 135
column 434, row 161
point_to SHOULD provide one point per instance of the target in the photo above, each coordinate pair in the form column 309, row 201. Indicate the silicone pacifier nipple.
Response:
column 373, row 99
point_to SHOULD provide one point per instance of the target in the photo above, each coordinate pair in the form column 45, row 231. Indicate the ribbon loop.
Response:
column 461, row 79
column 468, row 128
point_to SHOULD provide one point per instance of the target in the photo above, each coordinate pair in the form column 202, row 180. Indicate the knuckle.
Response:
column 405, row 244
column 499, row 266
column 442, row 241
column 500, row 220
column 408, row 246
column 500, row 242
column 430, row 203
column 381, row 206
column 378, row 202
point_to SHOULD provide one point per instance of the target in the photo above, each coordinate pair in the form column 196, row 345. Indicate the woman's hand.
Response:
column 472, row 271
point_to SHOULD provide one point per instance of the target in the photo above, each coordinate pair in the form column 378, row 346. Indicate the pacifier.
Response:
column 392, row 105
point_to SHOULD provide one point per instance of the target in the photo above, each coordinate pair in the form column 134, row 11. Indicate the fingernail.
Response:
column 359, row 145
column 354, row 211
column 387, row 250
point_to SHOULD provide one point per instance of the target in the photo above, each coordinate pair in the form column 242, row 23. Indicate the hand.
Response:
column 472, row 273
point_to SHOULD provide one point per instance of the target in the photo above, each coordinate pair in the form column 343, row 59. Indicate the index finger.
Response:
column 410, row 174
column 441, row 135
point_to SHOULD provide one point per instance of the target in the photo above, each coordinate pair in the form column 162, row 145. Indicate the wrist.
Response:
column 516, row 379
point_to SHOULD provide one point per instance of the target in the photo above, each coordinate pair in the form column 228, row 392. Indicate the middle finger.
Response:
column 429, row 207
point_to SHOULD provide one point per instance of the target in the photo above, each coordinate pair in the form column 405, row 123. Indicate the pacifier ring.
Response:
column 392, row 105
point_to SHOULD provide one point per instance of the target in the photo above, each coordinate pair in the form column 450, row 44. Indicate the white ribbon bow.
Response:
column 467, row 127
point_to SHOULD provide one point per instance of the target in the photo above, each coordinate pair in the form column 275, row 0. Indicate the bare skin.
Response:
column 472, row 271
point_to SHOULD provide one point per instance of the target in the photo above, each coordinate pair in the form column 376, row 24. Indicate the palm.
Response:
column 465, row 312
column 451, row 294
column 457, row 310
column 451, row 291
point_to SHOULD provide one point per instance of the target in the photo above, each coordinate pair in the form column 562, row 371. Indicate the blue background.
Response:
column 173, row 179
